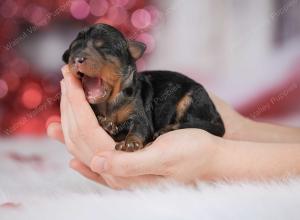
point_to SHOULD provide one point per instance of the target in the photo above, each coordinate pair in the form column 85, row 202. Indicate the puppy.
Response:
column 135, row 108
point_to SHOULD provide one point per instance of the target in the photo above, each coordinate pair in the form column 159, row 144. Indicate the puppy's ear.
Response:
column 136, row 49
column 66, row 56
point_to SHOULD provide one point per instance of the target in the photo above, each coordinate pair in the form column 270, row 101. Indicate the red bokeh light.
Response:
column 3, row 88
column 119, row 2
column 154, row 13
column 36, row 14
column 141, row 19
column 30, row 126
column 117, row 15
column 80, row 9
column 12, row 80
column 98, row 7
column 20, row 66
column 8, row 8
column 32, row 96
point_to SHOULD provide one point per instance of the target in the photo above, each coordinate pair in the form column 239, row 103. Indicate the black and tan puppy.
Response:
column 135, row 108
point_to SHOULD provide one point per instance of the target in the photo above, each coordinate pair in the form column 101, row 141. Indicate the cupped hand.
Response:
column 184, row 155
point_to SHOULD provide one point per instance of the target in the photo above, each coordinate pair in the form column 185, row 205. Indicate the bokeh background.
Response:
column 247, row 52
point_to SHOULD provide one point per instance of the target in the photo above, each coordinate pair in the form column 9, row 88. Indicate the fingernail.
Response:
column 98, row 164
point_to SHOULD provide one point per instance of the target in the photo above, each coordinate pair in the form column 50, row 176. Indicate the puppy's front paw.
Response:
column 130, row 144
column 108, row 125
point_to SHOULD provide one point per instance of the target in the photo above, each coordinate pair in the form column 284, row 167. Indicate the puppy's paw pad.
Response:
column 132, row 145
column 129, row 146
column 120, row 146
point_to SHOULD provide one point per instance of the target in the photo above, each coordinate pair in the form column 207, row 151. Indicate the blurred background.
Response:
column 247, row 52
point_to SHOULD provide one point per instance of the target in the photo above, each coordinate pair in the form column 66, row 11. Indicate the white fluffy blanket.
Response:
column 36, row 183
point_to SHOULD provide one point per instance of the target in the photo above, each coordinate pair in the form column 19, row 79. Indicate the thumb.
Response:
column 126, row 164
column 54, row 131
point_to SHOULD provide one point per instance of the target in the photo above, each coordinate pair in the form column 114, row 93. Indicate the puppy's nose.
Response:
column 79, row 59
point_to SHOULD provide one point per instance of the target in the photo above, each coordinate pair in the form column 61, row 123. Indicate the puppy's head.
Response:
column 100, row 57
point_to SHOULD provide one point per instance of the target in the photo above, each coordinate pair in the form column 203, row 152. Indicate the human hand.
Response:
column 82, row 134
column 185, row 155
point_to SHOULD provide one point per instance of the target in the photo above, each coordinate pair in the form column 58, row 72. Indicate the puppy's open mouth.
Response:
column 93, row 87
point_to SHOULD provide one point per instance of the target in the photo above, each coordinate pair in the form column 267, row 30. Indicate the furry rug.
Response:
column 36, row 183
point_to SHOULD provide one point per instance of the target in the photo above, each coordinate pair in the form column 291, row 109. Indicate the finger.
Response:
column 105, row 179
column 117, row 182
column 72, row 141
column 147, row 161
column 70, row 127
column 108, row 180
column 54, row 131
column 83, row 113
column 114, row 182
column 137, row 181
column 86, row 171
column 64, row 113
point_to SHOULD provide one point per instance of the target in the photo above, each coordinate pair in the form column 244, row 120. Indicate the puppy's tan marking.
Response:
column 182, row 106
column 111, row 75
column 123, row 113
column 116, row 89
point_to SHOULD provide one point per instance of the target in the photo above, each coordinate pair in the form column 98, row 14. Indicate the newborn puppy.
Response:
column 135, row 108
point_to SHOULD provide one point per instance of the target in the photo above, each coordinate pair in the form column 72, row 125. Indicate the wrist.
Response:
column 269, row 133
column 240, row 160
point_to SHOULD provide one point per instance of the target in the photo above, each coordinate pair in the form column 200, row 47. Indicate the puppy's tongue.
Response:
column 93, row 88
